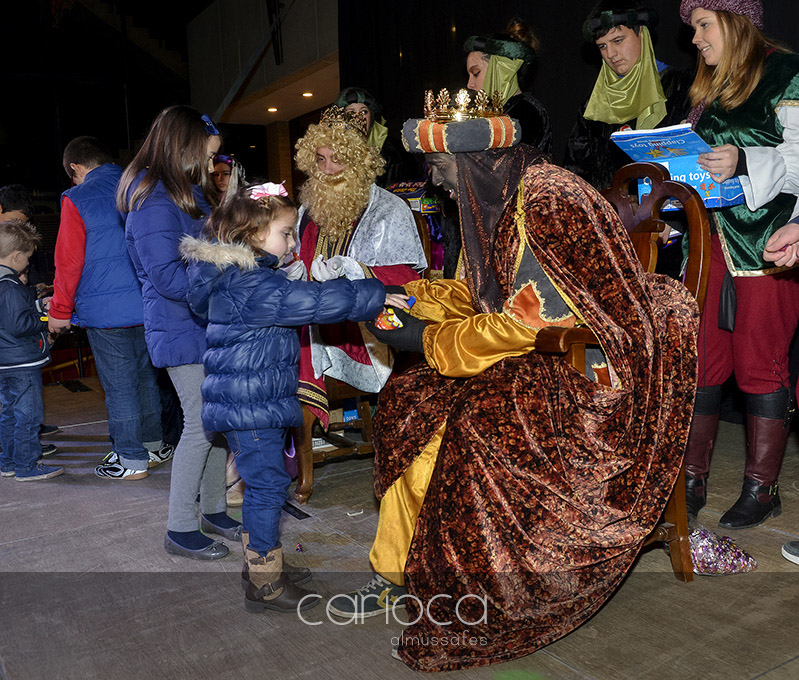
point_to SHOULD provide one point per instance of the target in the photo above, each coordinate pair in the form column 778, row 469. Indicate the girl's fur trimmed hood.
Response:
column 223, row 255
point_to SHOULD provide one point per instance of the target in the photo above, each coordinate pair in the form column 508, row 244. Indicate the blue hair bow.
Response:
column 210, row 126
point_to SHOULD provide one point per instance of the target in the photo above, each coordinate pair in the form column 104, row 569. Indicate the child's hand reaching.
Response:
column 397, row 300
column 783, row 247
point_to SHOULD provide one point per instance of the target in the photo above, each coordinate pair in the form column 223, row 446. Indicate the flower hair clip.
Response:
column 267, row 190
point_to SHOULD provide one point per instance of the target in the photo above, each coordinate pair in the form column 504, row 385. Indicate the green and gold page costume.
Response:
column 766, row 125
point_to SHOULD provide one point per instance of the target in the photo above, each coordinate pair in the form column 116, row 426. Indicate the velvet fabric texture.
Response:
column 744, row 232
column 608, row 14
column 545, row 483
column 460, row 136
column 501, row 46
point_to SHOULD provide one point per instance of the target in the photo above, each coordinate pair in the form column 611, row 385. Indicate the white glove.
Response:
column 296, row 271
column 335, row 265
column 326, row 270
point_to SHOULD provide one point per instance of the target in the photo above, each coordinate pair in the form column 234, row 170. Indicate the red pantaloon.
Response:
column 766, row 319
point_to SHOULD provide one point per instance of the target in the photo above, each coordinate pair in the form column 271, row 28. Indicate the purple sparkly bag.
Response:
column 715, row 555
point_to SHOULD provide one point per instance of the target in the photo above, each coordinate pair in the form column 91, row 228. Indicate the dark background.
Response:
column 398, row 50
column 65, row 72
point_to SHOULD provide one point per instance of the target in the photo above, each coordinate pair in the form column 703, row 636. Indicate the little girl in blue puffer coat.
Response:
column 253, row 308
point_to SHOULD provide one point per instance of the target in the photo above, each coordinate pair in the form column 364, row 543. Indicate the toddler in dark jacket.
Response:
column 253, row 308
column 24, row 349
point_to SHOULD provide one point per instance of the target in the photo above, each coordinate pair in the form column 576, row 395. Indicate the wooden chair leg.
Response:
column 303, row 445
column 679, row 547
column 365, row 413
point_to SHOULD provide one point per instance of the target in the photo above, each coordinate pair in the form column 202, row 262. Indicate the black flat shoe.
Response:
column 232, row 533
column 216, row 551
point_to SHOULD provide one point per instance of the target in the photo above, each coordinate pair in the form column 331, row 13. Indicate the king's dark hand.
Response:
column 407, row 339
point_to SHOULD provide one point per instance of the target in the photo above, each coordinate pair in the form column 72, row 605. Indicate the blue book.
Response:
column 350, row 410
column 676, row 148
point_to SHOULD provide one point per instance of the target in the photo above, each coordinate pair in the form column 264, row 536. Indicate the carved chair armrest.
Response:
column 557, row 340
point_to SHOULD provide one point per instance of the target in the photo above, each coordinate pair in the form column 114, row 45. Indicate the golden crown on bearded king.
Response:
column 338, row 117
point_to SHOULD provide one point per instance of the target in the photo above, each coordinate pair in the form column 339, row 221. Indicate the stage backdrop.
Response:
column 397, row 50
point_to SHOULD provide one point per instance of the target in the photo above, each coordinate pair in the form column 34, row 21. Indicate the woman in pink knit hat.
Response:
column 745, row 102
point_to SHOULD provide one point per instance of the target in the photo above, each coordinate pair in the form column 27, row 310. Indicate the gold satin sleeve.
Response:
column 440, row 300
column 460, row 348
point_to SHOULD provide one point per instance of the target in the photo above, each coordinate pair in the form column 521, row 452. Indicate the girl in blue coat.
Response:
column 253, row 309
column 166, row 193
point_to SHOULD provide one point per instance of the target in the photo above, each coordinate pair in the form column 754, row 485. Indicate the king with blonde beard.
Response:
column 349, row 227
column 335, row 201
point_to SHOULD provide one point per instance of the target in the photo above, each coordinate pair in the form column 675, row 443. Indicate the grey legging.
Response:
column 200, row 457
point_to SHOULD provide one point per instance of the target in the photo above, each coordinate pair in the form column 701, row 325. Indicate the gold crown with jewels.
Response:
column 440, row 109
column 338, row 117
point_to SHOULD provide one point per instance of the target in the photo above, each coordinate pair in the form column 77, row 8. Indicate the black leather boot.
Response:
column 695, row 493
column 768, row 422
column 754, row 506
column 699, row 449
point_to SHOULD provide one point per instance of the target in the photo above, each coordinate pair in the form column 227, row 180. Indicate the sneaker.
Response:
column 790, row 551
column 118, row 471
column 40, row 472
column 164, row 454
column 7, row 473
column 156, row 457
column 46, row 430
column 375, row 598
column 111, row 458
column 49, row 449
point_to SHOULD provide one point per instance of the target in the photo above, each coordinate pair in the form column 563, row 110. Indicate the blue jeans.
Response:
column 259, row 458
column 131, row 391
column 21, row 418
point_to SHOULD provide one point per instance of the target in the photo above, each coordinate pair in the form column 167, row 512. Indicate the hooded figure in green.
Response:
column 633, row 89
column 497, row 63
column 400, row 165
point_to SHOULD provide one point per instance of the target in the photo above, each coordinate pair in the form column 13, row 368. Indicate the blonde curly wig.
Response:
column 336, row 201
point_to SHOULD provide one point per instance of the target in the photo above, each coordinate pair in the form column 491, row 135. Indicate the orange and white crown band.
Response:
column 466, row 136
